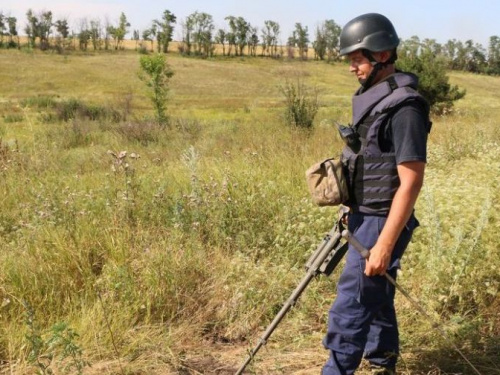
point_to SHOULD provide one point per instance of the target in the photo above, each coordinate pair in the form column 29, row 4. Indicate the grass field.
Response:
column 173, row 257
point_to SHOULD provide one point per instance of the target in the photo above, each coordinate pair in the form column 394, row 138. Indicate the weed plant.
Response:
column 301, row 105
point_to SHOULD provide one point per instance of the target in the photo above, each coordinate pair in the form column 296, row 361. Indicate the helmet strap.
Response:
column 367, row 83
column 377, row 66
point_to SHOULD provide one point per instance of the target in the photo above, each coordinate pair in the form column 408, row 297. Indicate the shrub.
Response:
column 12, row 118
column 69, row 109
column 74, row 108
column 39, row 101
column 144, row 132
column 143, row 50
column 301, row 104
column 434, row 85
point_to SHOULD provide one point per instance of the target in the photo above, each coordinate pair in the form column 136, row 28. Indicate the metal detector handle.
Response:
column 355, row 243
column 366, row 254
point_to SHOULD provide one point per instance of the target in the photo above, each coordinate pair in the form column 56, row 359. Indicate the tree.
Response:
column 221, row 38
column 450, row 52
column 156, row 73
column 494, row 55
column 118, row 33
column 38, row 26
column 240, row 29
column 243, row 29
column 12, row 24
column 468, row 56
column 253, row 41
column 410, row 48
column 31, row 28
column 45, row 29
column 461, row 58
column 476, row 57
column 165, row 30
column 270, row 36
column 95, row 33
column 149, row 34
column 327, row 40
column 200, row 27
column 136, row 37
column 84, row 35
column 300, row 39
column 231, row 42
column 431, row 46
column 291, row 43
column 431, row 70
column 106, row 33
column 332, row 35
column 3, row 28
column 479, row 59
column 319, row 44
column 187, row 36
column 62, row 29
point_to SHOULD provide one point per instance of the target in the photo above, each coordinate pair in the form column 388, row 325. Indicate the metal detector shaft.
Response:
column 365, row 254
column 286, row 307
column 329, row 251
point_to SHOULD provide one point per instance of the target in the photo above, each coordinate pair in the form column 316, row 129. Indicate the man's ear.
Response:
column 384, row 56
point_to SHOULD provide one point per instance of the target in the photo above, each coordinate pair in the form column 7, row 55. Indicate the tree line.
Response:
column 44, row 32
column 198, row 36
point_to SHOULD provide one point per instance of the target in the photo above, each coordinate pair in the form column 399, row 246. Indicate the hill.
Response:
column 168, row 250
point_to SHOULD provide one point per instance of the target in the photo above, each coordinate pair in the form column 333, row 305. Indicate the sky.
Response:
column 434, row 19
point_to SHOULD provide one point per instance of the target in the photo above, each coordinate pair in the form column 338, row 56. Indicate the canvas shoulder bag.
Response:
column 327, row 183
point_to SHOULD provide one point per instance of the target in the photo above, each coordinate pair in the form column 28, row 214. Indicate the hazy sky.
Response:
column 437, row 19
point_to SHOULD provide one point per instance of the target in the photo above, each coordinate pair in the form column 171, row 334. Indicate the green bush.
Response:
column 12, row 118
column 301, row 104
column 39, row 101
column 74, row 108
column 143, row 132
column 69, row 109
column 433, row 84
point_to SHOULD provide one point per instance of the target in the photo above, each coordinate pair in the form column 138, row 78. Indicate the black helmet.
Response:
column 373, row 32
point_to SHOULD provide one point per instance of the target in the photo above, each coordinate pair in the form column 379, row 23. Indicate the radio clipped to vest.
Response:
column 350, row 136
column 327, row 183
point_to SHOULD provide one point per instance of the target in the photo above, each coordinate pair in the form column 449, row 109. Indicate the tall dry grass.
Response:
column 171, row 257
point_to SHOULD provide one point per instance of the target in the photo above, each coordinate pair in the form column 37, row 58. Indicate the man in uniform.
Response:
column 384, row 161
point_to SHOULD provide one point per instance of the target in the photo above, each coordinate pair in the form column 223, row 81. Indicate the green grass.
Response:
column 186, row 247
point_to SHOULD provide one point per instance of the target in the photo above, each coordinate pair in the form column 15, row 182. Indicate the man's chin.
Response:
column 361, row 81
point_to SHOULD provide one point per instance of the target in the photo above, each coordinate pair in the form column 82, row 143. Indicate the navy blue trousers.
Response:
column 362, row 320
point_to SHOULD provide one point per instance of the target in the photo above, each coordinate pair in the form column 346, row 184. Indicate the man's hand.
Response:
column 411, row 175
column 378, row 262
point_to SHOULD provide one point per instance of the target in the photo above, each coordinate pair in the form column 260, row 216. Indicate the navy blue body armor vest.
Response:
column 371, row 173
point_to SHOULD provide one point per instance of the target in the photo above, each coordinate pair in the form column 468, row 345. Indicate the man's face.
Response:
column 359, row 65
